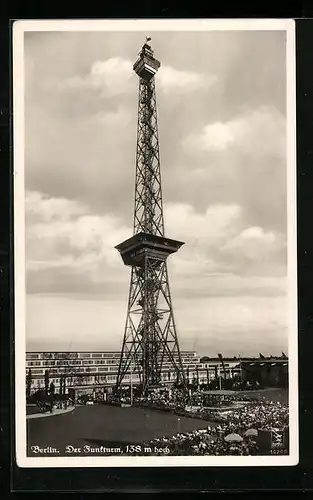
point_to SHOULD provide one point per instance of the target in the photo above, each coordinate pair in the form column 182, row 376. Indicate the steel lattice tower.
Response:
column 150, row 341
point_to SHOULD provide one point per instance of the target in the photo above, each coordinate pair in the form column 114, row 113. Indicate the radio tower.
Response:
column 150, row 341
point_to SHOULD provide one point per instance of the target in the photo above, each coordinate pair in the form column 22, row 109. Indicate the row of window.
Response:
column 113, row 362
column 88, row 380
column 97, row 368
column 186, row 356
column 54, row 363
column 41, row 371
column 71, row 355
column 96, row 362
column 167, row 375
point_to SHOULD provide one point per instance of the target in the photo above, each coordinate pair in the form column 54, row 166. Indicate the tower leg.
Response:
column 150, row 341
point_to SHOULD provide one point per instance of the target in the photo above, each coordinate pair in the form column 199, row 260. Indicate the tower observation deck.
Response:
column 150, row 341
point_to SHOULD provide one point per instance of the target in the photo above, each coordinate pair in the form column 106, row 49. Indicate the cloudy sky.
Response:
column 222, row 127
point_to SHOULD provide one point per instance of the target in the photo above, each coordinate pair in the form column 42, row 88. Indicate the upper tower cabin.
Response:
column 146, row 65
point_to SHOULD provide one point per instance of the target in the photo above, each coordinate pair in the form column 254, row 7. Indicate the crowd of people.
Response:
column 206, row 441
column 47, row 403
column 234, row 431
column 50, row 406
column 266, row 415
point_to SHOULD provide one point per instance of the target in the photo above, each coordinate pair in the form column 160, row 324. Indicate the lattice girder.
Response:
column 150, row 338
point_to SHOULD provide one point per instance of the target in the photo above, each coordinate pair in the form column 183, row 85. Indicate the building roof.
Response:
column 244, row 359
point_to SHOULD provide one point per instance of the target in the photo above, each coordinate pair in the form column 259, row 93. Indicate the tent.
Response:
column 251, row 432
column 233, row 438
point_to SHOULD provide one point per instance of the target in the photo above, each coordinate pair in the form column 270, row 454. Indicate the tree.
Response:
column 207, row 376
column 197, row 375
column 46, row 381
column 52, row 388
column 29, row 380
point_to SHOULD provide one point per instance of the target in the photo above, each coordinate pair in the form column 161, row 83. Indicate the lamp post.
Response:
column 131, row 383
column 220, row 378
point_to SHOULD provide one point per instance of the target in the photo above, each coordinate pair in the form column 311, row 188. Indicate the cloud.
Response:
column 41, row 207
column 71, row 248
column 183, row 81
column 259, row 249
column 241, row 161
column 261, row 129
column 209, row 226
column 77, row 284
column 115, row 76
column 63, row 234
column 216, row 137
column 219, row 240
column 81, row 147
column 111, row 77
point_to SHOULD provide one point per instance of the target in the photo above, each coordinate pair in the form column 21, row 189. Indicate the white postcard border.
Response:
column 19, row 27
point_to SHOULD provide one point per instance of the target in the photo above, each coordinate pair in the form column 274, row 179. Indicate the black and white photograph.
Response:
column 155, row 243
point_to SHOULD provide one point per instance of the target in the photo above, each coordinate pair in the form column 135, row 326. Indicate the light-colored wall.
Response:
column 104, row 367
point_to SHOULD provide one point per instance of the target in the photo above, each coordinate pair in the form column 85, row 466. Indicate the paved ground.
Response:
column 32, row 409
column 101, row 425
column 56, row 411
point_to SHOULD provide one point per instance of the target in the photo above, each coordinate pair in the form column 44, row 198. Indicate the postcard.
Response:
column 155, row 243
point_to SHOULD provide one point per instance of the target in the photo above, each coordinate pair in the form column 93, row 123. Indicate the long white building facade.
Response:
column 83, row 370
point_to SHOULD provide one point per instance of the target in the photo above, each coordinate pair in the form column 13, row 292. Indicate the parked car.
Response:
column 89, row 403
